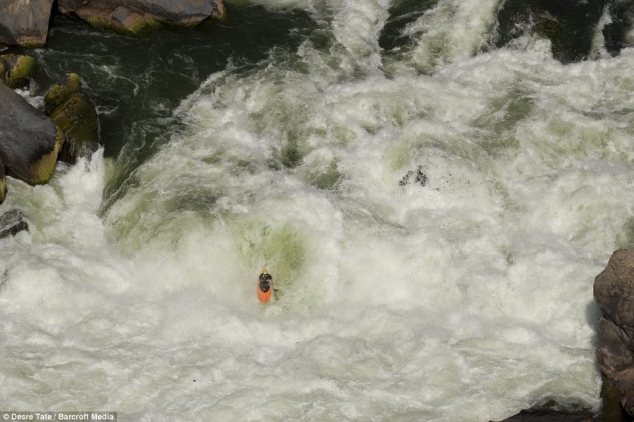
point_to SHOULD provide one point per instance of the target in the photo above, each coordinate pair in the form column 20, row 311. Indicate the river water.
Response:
column 433, row 207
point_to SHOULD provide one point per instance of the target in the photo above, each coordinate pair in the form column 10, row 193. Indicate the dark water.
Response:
column 137, row 82
column 569, row 24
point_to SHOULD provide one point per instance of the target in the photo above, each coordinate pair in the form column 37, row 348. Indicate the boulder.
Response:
column 25, row 22
column 136, row 16
column 545, row 414
column 614, row 293
column 16, row 70
column 12, row 222
column 29, row 141
column 614, row 290
column 414, row 176
column 76, row 116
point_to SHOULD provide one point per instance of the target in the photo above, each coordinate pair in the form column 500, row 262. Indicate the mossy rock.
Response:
column 16, row 71
column 144, row 27
column 30, row 45
column 3, row 189
column 3, row 183
column 59, row 94
column 138, row 26
column 611, row 410
column 42, row 170
column 77, row 118
column 30, row 141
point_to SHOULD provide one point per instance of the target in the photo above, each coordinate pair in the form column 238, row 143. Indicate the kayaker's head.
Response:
column 264, row 276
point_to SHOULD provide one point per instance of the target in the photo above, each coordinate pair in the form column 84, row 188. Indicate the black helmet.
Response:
column 265, row 276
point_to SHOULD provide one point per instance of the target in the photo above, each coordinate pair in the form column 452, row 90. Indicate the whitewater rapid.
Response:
column 463, row 295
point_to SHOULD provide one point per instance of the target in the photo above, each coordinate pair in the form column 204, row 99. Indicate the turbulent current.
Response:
column 433, row 208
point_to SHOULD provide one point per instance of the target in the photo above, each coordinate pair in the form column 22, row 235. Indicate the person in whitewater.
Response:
column 265, row 286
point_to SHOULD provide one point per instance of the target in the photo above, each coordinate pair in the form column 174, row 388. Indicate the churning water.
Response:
column 433, row 215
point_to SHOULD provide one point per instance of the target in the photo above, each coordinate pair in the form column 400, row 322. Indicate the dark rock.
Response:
column 29, row 141
column 614, row 290
column 611, row 409
column 136, row 16
column 627, row 403
column 414, row 176
column 545, row 414
column 3, row 183
column 614, row 293
column 614, row 354
column 76, row 116
column 24, row 23
column 12, row 222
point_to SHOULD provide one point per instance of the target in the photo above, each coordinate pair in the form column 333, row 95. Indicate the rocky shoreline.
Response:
column 32, row 141
column 26, row 24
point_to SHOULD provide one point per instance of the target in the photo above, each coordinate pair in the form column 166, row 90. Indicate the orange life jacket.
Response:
column 265, row 290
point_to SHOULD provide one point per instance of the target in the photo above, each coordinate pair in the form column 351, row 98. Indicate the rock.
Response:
column 551, row 415
column 12, row 222
column 29, row 141
column 76, row 116
column 3, row 183
column 16, row 70
column 614, row 293
column 614, row 290
column 414, row 176
column 545, row 414
column 627, row 403
column 58, row 94
column 25, row 22
column 137, row 16
column 614, row 354
column 611, row 409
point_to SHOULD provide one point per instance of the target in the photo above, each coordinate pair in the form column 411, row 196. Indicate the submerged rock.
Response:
column 414, row 176
column 76, row 116
column 137, row 16
column 29, row 141
column 12, row 222
column 24, row 23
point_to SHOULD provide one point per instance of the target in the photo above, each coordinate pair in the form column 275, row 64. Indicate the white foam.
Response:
column 468, row 296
